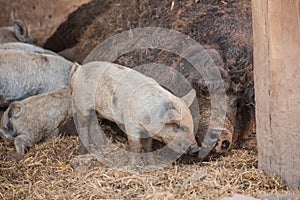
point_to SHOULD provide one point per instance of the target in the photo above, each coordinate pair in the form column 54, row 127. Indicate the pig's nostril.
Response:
column 225, row 144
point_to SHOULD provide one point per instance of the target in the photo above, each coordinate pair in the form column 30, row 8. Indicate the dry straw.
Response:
column 45, row 173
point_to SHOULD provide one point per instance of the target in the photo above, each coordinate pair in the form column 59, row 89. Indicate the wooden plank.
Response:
column 276, row 26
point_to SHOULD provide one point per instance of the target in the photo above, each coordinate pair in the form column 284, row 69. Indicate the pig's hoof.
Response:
column 14, row 156
column 150, row 160
column 136, row 162
column 142, row 162
column 82, row 162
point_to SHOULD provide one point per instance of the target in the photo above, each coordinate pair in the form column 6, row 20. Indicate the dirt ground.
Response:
column 41, row 20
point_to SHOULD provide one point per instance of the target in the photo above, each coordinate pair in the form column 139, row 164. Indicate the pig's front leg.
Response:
column 21, row 143
column 138, row 141
column 134, row 146
column 89, row 130
column 147, row 146
column 147, row 143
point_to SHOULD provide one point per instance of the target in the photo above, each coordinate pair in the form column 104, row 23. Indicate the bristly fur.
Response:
column 9, row 123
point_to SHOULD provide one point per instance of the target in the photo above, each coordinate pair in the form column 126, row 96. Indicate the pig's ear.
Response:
column 74, row 68
column 21, row 31
column 189, row 98
column 172, row 116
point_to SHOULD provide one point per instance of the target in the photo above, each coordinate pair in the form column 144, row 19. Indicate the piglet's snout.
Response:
column 193, row 149
column 186, row 147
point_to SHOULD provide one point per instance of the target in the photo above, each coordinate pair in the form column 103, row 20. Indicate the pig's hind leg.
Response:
column 52, row 134
column 21, row 143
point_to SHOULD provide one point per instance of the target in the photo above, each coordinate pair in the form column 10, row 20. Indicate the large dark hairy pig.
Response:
column 29, row 121
column 16, row 33
column 178, row 84
column 247, row 125
column 24, row 74
column 224, row 26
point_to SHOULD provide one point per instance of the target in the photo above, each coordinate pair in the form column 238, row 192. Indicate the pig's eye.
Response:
column 178, row 127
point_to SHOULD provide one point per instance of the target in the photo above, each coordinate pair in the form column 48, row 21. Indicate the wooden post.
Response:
column 276, row 25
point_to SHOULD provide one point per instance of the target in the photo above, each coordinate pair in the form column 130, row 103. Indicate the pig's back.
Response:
column 25, row 74
column 116, row 86
column 45, row 112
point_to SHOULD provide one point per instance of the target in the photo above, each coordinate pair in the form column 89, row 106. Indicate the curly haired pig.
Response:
column 29, row 121
column 24, row 74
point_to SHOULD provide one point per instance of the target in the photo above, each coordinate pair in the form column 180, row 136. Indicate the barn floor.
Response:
column 45, row 173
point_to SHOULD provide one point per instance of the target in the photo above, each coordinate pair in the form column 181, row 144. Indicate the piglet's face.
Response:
column 177, row 125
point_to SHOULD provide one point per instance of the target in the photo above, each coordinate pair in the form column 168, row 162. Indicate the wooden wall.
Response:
column 276, row 25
